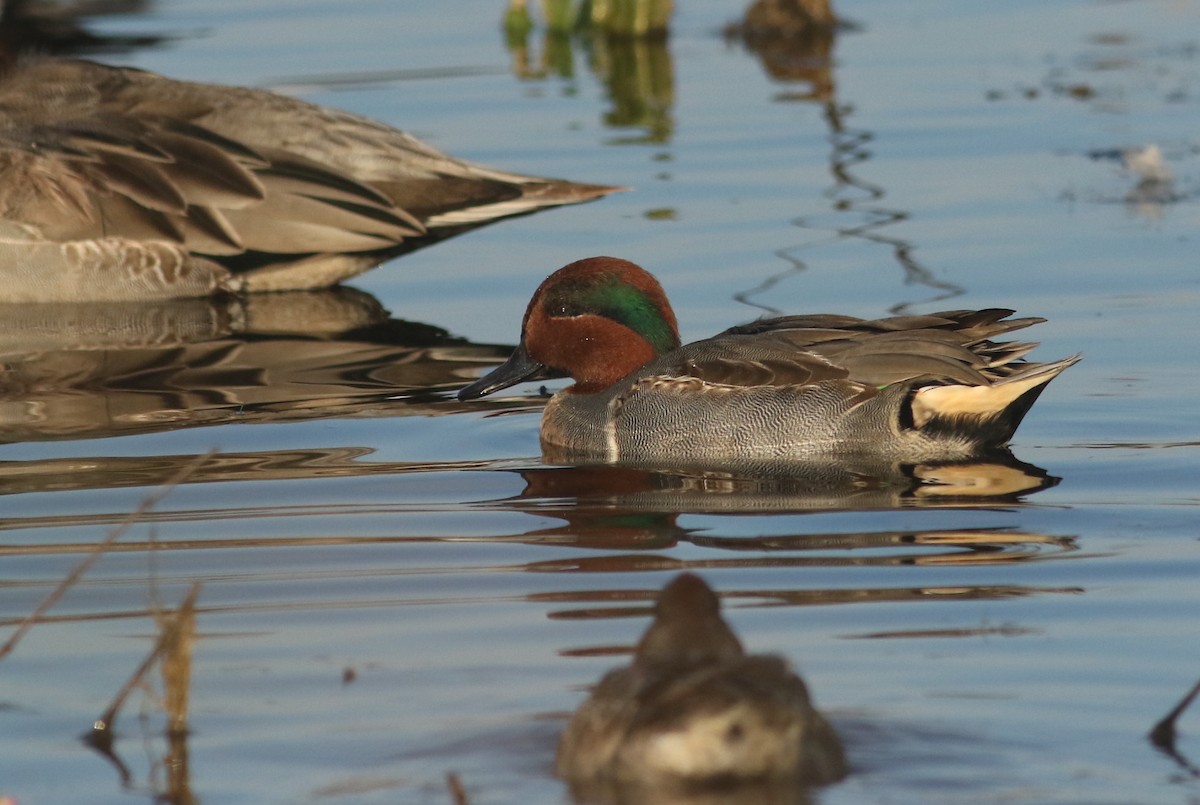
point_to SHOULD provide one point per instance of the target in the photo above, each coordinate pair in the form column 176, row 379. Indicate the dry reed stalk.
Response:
column 123, row 528
column 174, row 646
column 458, row 793
column 1163, row 733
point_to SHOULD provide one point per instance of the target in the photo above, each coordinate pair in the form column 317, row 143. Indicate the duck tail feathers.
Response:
column 989, row 412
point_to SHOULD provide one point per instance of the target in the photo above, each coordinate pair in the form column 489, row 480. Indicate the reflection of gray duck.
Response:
column 694, row 708
column 122, row 184
column 35, row 26
column 103, row 369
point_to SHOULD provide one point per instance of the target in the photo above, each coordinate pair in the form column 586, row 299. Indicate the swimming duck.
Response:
column 121, row 184
column 694, row 708
column 914, row 388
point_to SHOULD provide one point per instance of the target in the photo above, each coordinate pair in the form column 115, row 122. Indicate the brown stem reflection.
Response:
column 795, row 40
column 1162, row 736
column 103, row 369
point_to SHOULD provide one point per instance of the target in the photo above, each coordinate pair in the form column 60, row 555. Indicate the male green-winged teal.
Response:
column 694, row 708
column 914, row 388
column 121, row 184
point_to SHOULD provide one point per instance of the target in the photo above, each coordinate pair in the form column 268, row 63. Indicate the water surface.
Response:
column 395, row 587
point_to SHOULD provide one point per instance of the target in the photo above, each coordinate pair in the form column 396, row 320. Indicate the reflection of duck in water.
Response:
column 35, row 26
column 102, row 369
column 912, row 388
column 694, row 708
column 794, row 39
column 122, row 184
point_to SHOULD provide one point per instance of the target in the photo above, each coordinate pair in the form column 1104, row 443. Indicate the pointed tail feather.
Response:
column 534, row 195
column 992, row 412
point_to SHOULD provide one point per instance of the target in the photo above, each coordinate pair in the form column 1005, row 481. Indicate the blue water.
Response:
column 395, row 589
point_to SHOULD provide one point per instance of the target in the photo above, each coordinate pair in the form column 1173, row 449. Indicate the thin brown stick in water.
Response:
column 148, row 503
column 1163, row 734
column 176, row 662
column 457, row 792
column 168, row 637
column 179, row 633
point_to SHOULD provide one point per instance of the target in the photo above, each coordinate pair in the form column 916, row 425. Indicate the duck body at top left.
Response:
column 121, row 184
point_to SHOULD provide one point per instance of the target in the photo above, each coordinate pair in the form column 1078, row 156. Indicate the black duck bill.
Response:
column 519, row 368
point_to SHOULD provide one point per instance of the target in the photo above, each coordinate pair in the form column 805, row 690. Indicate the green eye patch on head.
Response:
column 609, row 296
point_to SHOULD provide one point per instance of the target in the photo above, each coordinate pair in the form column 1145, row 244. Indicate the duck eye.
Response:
column 565, row 311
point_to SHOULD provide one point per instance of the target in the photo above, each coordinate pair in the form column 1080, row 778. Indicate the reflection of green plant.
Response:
column 622, row 17
column 517, row 23
column 636, row 70
column 640, row 82
column 561, row 15
column 631, row 17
